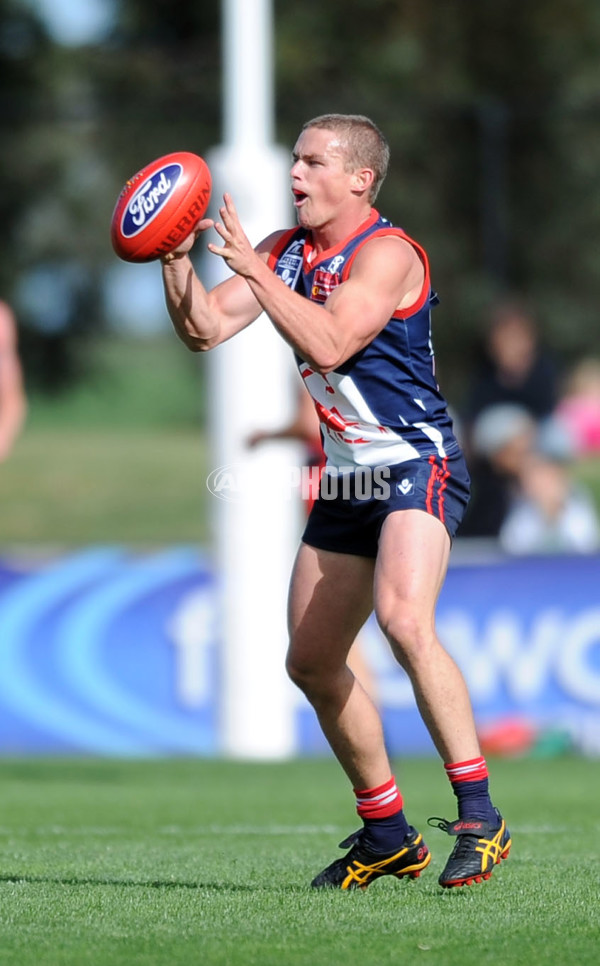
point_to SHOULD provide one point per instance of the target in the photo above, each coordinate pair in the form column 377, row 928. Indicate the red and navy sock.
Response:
column 385, row 825
column 469, row 780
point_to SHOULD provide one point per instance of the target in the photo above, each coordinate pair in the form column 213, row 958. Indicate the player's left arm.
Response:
column 12, row 394
column 386, row 274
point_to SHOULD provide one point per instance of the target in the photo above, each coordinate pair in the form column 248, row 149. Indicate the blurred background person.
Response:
column 579, row 408
column 515, row 370
column 500, row 442
column 540, row 507
column 516, row 367
column 13, row 405
column 550, row 512
column 303, row 428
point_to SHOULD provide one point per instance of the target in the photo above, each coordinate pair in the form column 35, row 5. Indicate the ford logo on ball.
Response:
column 149, row 199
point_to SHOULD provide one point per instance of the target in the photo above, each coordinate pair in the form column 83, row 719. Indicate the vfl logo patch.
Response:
column 289, row 264
column 405, row 486
column 149, row 199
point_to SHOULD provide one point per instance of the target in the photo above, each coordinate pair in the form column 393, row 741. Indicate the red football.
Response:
column 159, row 206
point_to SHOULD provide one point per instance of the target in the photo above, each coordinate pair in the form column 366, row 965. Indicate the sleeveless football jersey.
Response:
column 383, row 405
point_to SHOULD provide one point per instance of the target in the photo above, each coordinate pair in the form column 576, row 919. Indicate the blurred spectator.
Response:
column 501, row 439
column 515, row 367
column 579, row 409
column 12, row 394
column 516, row 371
column 550, row 513
column 304, row 427
column 505, row 436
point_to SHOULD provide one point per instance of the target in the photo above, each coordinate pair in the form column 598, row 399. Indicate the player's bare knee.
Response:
column 407, row 633
column 402, row 626
column 300, row 671
column 310, row 676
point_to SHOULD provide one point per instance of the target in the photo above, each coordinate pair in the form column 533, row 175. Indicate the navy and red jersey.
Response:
column 382, row 406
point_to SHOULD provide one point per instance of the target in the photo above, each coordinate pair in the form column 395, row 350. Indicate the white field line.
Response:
column 237, row 830
column 100, row 830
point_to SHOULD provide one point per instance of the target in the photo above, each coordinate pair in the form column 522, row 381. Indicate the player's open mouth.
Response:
column 299, row 197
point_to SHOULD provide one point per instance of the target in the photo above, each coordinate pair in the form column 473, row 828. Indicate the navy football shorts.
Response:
column 353, row 504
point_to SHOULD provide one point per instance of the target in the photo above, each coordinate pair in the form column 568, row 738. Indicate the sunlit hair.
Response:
column 363, row 142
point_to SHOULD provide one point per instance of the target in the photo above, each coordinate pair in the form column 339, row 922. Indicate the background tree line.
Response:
column 491, row 109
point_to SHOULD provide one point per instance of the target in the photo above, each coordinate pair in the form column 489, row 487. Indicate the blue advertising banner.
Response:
column 109, row 652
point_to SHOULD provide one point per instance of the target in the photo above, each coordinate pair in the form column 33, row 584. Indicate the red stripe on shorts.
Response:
column 431, row 484
column 443, row 478
column 437, row 477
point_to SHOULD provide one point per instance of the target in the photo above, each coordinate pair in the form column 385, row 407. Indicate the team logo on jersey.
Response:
column 336, row 263
column 289, row 264
column 323, row 284
column 406, row 486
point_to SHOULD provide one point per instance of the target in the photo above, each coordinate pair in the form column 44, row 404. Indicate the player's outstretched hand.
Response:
column 237, row 250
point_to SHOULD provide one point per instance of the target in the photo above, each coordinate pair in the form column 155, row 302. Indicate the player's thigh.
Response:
column 411, row 566
column 331, row 596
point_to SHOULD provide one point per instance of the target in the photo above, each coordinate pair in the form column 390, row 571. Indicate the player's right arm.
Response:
column 202, row 319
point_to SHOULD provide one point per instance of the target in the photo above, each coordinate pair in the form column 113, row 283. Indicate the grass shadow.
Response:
column 233, row 887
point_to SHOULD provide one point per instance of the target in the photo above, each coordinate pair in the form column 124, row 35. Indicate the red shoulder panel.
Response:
column 279, row 246
column 424, row 293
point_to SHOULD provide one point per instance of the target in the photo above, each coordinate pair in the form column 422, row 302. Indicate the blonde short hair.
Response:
column 365, row 145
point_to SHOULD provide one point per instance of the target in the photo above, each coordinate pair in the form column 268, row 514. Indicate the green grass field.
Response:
column 122, row 457
column 169, row 863
column 72, row 487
